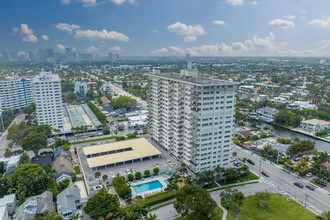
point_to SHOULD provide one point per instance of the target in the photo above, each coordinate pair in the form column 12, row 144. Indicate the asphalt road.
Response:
column 3, row 138
column 120, row 91
column 169, row 212
column 318, row 201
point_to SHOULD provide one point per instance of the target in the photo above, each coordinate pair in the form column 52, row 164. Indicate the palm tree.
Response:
column 151, row 217
column 219, row 170
column 116, row 132
column 238, row 198
column 129, row 126
column 76, row 216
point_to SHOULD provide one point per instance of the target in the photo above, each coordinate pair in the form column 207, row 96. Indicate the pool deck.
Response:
column 159, row 177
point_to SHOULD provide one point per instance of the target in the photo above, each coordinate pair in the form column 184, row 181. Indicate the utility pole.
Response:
column 306, row 199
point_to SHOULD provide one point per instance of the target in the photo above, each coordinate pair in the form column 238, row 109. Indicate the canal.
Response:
column 278, row 131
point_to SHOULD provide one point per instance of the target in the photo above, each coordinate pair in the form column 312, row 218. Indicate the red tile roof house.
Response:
column 326, row 165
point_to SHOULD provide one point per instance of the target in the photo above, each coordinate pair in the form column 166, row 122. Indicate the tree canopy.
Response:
column 124, row 102
column 34, row 142
column 193, row 198
column 102, row 204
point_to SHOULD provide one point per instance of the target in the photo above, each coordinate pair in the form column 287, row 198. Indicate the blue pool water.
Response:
column 147, row 186
column 167, row 174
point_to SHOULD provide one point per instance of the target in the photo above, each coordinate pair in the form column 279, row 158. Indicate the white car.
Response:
column 168, row 162
column 128, row 171
column 156, row 164
column 309, row 174
column 75, row 161
column 113, row 175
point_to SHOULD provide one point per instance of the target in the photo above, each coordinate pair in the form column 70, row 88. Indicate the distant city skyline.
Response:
column 167, row 28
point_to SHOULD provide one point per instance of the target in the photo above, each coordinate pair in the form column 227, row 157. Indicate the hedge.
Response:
column 102, row 118
column 158, row 198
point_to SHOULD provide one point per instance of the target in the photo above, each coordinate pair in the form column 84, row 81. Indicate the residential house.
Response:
column 315, row 125
column 37, row 204
column 63, row 163
column 244, row 134
column 301, row 105
column 68, row 202
column 10, row 163
column 7, row 206
column 267, row 113
column 62, row 176
column 42, row 160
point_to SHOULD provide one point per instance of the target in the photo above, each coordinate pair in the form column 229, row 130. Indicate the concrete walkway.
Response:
column 224, row 215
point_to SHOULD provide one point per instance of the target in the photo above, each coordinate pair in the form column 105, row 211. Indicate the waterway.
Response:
column 278, row 131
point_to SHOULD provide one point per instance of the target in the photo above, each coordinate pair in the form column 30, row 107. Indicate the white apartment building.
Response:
column 192, row 117
column 48, row 99
column 81, row 89
column 15, row 93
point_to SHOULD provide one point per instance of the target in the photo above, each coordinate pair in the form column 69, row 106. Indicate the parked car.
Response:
column 156, row 164
column 90, row 179
column 265, row 174
column 128, row 171
column 309, row 174
column 113, row 175
column 298, row 184
column 251, row 161
column 75, row 161
column 168, row 162
column 133, row 171
column 237, row 164
column 309, row 187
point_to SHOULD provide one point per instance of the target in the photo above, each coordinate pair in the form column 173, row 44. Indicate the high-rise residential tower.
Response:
column 48, row 99
column 15, row 93
column 192, row 117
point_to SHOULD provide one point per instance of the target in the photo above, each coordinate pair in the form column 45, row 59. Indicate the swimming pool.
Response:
column 147, row 186
column 167, row 174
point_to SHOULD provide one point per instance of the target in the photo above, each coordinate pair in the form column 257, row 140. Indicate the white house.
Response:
column 315, row 125
column 7, row 206
column 68, row 202
column 267, row 113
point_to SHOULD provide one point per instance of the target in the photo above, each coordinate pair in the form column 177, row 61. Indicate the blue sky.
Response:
column 168, row 27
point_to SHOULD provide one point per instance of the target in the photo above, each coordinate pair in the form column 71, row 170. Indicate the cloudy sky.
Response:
column 168, row 27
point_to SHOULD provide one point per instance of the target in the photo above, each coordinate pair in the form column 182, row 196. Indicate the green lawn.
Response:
column 251, row 176
column 278, row 209
column 324, row 135
column 77, row 169
column 216, row 214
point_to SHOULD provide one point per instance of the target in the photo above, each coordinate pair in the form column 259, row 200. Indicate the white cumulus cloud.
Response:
column 100, row 35
column 219, row 22
column 119, row 2
column 291, row 17
column 91, row 49
column 44, row 37
column 323, row 22
column 239, row 46
column 67, row 27
column 115, row 48
column 26, row 32
column 189, row 38
column 160, row 50
column 184, row 29
column 235, row 2
column 60, row 47
column 253, row 3
column 280, row 23
column 66, row 2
